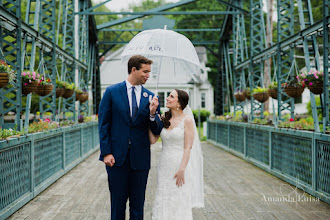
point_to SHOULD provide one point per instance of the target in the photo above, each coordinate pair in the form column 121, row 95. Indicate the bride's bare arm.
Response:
column 189, row 134
column 152, row 138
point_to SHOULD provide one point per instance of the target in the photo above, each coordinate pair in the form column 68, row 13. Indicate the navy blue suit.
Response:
column 128, row 141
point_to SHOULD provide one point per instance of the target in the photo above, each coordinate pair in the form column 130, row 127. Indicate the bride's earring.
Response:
column 177, row 108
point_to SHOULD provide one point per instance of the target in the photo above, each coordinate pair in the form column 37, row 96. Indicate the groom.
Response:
column 125, row 116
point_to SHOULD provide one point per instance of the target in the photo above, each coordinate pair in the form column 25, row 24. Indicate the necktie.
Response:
column 134, row 104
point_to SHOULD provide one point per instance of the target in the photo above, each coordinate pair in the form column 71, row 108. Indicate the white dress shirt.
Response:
column 138, row 90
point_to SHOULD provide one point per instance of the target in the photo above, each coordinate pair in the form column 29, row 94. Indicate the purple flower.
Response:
column 310, row 84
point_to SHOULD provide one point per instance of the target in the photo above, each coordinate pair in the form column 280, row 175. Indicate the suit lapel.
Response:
column 123, row 91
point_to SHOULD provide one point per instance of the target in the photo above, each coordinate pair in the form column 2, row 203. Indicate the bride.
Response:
column 180, row 185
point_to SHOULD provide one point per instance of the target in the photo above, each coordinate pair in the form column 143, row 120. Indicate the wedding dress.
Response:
column 173, row 202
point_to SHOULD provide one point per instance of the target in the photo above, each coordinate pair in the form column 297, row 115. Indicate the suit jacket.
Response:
column 118, row 132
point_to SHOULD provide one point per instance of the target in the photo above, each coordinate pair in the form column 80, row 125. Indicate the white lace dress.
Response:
column 172, row 202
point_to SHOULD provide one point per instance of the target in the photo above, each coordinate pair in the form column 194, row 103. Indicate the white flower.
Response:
column 145, row 95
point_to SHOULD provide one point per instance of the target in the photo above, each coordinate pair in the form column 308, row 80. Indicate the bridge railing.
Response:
column 301, row 158
column 31, row 163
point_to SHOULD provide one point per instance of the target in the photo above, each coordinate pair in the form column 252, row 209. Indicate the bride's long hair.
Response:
column 183, row 99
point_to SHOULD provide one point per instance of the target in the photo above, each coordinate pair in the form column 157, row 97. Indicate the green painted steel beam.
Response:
column 9, row 17
column 162, row 13
column 133, row 17
column 177, row 30
column 290, row 41
column 326, row 62
column 234, row 7
column 96, row 6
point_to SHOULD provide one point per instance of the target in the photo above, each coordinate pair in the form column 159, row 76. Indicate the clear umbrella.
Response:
column 172, row 53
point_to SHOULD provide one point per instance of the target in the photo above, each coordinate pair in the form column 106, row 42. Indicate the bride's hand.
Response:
column 179, row 178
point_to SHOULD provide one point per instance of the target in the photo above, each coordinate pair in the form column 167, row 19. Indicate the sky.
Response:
column 117, row 5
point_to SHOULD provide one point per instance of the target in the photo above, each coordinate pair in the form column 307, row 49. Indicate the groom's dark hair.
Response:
column 136, row 61
column 183, row 99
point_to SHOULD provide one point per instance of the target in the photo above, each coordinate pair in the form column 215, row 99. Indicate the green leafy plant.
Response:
column 6, row 133
column 60, row 84
column 247, row 91
column 91, row 118
column 66, row 122
column 273, row 85
column 70, row 86
column 204, row 114
column 259, row 90
column 42, row 125
column 262, row 121
column 5, row 68
column 293, row 83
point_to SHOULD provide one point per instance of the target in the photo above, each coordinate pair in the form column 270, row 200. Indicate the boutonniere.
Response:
column 145, row 95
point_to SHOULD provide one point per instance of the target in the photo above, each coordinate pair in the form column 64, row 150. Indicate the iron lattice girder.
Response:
column 284, row 44
column 234, row 7
column 284, row 55
column 133, row 17
column 69, row 27
column 162, row 13
column 6, row 16
column 197, row 41
column 326, row 61
column 96, row 6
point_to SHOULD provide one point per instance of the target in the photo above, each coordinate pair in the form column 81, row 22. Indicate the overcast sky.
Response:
column 118, row 5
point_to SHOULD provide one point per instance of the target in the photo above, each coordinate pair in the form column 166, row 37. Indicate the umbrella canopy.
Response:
column 172, row 53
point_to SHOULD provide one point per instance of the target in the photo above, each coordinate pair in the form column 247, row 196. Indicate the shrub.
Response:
column 309, row 106
column 203, row 113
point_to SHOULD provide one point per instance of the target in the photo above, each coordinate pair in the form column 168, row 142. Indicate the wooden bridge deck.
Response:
column 234, row 188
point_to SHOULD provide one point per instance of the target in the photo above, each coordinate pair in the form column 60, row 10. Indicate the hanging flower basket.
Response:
column 84, row 97
column 239, row 96
column 316, row 88
column 4, row 79
column 261, row 97
column 78, row 96
column 43, row 90
column 59, row 92
column 294, row 91
column 272, row 93
column 247, row 93
column 29, row 87
column 68, row 93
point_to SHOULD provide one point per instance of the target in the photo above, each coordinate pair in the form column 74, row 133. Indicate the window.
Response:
column 161, row 99
column 203, row 100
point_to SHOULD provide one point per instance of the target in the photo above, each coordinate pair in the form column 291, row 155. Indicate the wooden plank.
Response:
column 234, row 189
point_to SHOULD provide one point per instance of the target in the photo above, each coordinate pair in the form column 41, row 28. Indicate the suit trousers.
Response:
column 126, row 183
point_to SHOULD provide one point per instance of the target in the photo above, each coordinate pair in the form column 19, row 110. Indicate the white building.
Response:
column 197, row 86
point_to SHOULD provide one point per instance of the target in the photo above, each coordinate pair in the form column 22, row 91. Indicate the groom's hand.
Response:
column 109, row 160
column 153, row 105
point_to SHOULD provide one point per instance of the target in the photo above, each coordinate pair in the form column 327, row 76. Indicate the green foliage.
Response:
column 273, row 85
column 42, row 126
column 204, row 114
column 259, row 90
column 70, row 86
column 6, row 133
column 309, row 106
column 60, row 84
